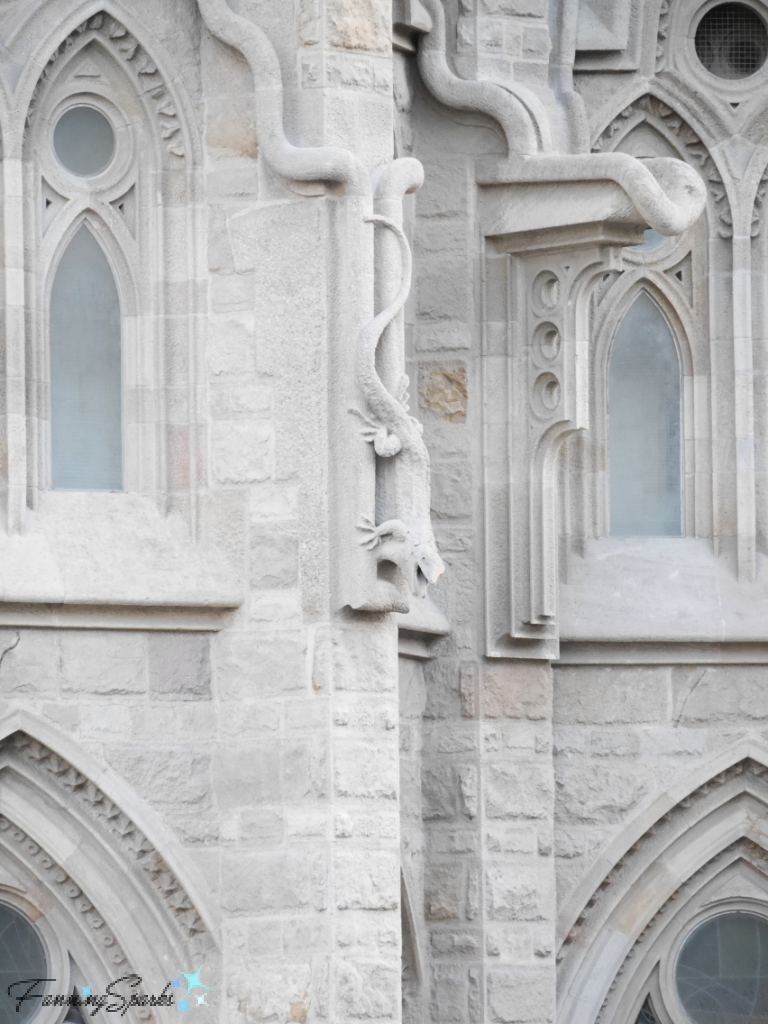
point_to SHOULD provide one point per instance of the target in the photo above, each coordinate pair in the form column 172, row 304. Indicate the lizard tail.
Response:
column 372, row 332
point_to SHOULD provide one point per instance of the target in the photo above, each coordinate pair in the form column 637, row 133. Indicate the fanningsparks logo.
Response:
column 113, row 1001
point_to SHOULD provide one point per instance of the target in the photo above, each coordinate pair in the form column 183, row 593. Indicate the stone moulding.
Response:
column 42, row 862
column 122, row 831
column 722, row 819
column 131, row 54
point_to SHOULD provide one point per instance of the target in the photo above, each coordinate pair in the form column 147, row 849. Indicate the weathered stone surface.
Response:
column 519, row 995
column 372, row 883
column 179, row 666
column 518, row 791
column 610, row 695
column 597, row 794
column 443, row 390
column 517, row 689
column 443, row 891
column 102, row 662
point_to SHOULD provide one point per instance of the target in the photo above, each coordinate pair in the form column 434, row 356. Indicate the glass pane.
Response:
column 644, row 425
column 84, row 141
column 722, row 971
column 22, row 958
column 646, row 1015
column 652, row 239
column 86, row 386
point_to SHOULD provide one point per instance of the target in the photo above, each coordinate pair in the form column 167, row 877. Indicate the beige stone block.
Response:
column 517, row 689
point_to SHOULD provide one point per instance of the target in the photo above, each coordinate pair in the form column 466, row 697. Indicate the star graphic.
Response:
column 201, row 999
column 181, row 1007
column 87, row 990
column 176, row 983
column 193, row 980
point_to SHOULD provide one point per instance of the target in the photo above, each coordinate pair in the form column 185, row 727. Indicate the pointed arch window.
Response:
column 86, row 371
column 644, row 425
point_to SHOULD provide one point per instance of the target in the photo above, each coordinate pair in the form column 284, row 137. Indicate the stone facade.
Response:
column 352, row 696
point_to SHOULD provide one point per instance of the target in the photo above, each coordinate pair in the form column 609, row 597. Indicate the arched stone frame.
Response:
column 695, row 324
column 694, row 400
column 618, row 928
column 106, row 895
column 167, row 432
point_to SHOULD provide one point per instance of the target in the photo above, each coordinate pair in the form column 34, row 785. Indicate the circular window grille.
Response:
column 721, row 972
column 732, row 41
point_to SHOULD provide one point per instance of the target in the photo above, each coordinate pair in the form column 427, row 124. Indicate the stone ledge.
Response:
column 106, row 560
column 663, row 590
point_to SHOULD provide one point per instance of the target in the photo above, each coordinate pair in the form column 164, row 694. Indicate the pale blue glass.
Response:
column 84, row 141
column 644, row 463
column 86, row 372
column 22, row 958
column 652, row 239
column 721, row 972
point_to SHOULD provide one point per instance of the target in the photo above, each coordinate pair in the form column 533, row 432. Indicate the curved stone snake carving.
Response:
column 408, row 540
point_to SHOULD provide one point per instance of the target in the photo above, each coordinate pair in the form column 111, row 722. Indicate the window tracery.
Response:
column 102, row 94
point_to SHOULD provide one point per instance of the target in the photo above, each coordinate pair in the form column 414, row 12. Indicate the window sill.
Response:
column 665, row 589
column 111, row 561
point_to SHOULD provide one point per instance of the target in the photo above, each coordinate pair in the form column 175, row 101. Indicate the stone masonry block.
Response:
column 266, row 883
column 597, row 794
column 274, row 555
column 367, row 880
column 102, row 662
column 449, row 995
column 598, row 695
column 29, row 662
column 304, row 770
column 242, row 451
column 512, row 891
column 443, row 888
column 247, row 775
column 249, row 666
column 522, row 994
column 439, row 791
column 367, row 991
column 162, row 776
column 364, row 772
column 518, row 791
column 517, row 689
column 732, row 693
column 179, row 666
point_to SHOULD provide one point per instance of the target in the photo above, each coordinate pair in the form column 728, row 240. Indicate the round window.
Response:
column 84, row 141
column 732, row 41
column 22, row 958
column 721, row 972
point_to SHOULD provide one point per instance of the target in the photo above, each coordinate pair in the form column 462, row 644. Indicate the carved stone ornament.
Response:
column 122, row 831
column 656, row 112
column 129, row 52
column 657, row 884
column 536, row 354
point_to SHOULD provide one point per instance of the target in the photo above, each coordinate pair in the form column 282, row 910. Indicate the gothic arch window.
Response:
column 644, row 425
column 85, row 370
column 112, row 270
